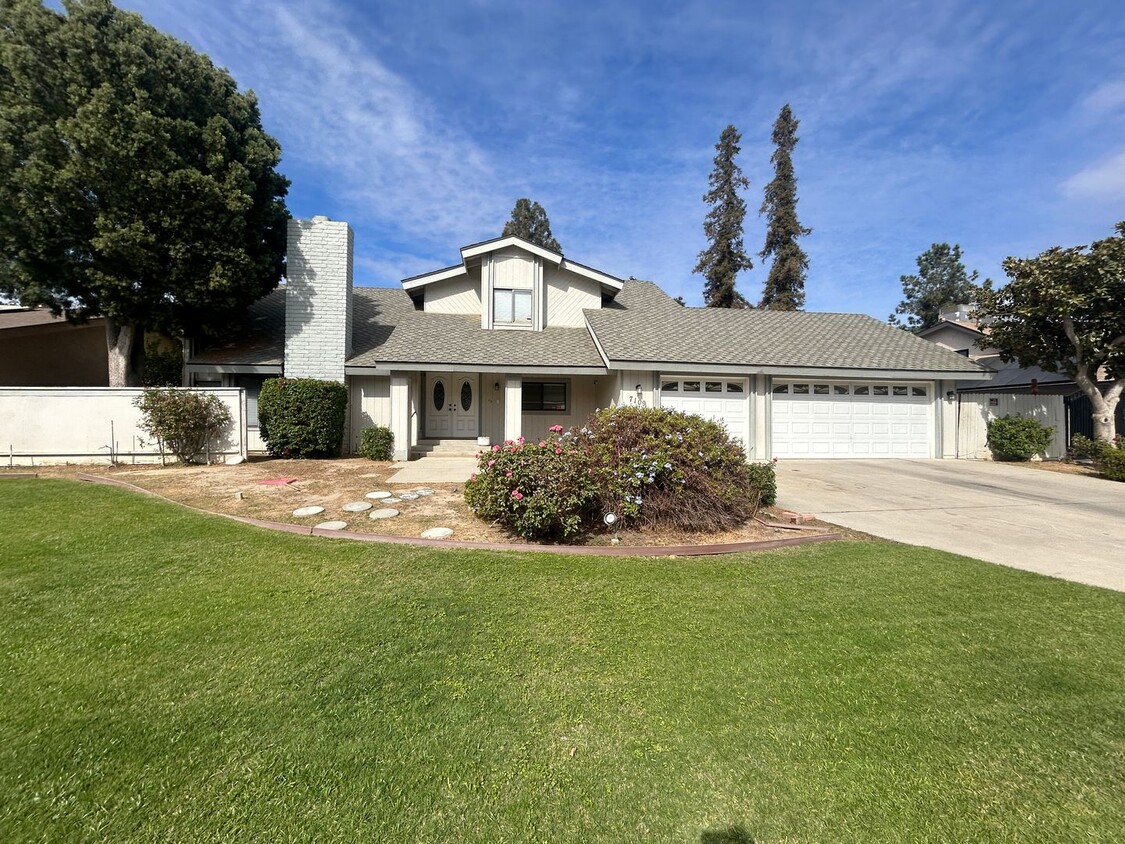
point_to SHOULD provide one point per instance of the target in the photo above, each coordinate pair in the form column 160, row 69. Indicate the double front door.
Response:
column 451, row 405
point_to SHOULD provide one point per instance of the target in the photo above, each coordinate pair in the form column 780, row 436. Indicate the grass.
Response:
column 171, row 677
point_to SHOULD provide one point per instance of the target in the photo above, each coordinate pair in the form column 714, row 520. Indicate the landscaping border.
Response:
column 580, row 550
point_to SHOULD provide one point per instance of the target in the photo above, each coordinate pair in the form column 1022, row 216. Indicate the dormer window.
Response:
column 511, row 307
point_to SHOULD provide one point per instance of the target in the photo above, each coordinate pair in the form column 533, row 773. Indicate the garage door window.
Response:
column 820, row 389
column 670, row 387
column 781, row 390
column 800, row 389
column 919, row 391
column 878, row 391
column 899, row 391
column 713, row 386
column 691, row 386
column 734, row 387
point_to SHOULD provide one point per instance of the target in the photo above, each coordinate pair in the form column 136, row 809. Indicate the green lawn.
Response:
column 171, row 677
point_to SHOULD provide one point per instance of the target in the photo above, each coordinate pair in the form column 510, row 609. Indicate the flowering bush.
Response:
column 535, row 489
column 660, row 467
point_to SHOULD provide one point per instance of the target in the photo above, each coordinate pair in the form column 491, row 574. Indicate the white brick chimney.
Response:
column 318, row 299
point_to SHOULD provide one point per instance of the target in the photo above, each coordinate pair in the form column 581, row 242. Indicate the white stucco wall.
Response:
column 57, row 425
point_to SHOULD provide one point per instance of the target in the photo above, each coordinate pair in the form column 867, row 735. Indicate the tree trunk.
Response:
column 126, row 353
column 1103, row 406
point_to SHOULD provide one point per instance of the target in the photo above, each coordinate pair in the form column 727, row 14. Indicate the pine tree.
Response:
column 785, row 286
column 941, row 280
column 529, row 221
column 722, row 260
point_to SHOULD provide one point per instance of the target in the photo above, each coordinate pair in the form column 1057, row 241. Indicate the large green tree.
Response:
column 941, row 280
column 529, row 221
column 725, row 255
column 136, row 181
column 785, row 286
column 1064, row 311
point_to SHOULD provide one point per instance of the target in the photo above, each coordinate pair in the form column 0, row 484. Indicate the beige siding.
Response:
column 492, row 406
column 580, row 404
column 567, row 295
column 369, row 404
column 976, row 410
column 515, row 270
column 455, row 295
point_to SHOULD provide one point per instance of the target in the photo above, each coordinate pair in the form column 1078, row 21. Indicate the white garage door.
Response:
column 863, row 419
column 723, row 400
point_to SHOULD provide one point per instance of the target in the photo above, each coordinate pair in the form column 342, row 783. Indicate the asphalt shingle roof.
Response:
column 388, row 330
column 261, row 342
column 713, row 336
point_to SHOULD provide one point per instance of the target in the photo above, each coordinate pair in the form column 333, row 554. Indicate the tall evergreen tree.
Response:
column 136, row 181
column 725, row 255
column 941, row 280
column 785, row 286
column 530, row 222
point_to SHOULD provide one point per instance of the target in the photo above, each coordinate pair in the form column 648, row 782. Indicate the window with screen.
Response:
column 511, row 307
column 540, row 396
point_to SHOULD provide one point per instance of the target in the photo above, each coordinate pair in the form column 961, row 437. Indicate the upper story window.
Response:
column 512, row 307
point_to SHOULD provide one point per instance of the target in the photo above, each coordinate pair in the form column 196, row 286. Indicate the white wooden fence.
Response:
column 56, row 425
column 976, row 410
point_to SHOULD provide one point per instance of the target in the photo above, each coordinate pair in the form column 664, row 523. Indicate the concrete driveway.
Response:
column 1067, row 526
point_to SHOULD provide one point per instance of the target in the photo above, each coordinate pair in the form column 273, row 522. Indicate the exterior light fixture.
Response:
column 610, row 520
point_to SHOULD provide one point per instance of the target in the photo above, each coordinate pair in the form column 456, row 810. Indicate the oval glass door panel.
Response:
column 466, row 395
column 439, row 395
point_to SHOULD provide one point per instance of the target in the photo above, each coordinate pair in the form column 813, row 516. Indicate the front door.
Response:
column 451, row 405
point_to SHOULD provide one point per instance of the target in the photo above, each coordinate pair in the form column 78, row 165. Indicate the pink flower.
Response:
column 542, row 443
column 558, row 451
column 473, row 476
column 555, row 429
column 496, row 448
column 516, row 494
column 508, row 474
column 491, row 463
column 520, row 440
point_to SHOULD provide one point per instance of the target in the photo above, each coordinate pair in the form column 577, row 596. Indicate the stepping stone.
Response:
column 302, row 512
column 356, row 507
column 424, row 491
column 391, row 500
column 333, row 525
column 378, row 495
column 383, row 513
column 409, row 496
column 437, row 533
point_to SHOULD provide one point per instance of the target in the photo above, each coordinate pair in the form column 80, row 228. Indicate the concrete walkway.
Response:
column 434, row 470
column 1067, row 526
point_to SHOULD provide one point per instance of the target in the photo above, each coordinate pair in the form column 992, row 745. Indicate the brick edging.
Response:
column 579, row 550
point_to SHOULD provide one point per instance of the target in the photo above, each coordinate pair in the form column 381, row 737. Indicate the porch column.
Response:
column 400, row 415
column 513, row 407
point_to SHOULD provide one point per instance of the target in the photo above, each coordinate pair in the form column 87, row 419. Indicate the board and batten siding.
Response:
column 455, row 295
column 369, row 404
column 567, row 295
column 976, row 410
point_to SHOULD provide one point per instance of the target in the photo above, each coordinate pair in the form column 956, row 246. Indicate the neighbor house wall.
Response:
column 54, row 356
column 976, row 410
column 56, row 425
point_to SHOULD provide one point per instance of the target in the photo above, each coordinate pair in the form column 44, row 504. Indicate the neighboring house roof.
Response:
column 261, row 342
column 389, row 333
column 18, row 318
column 1011, row 377
column 969, row 328
column 764, row 340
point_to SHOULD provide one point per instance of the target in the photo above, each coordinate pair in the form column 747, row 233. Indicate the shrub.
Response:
column 1082, row 447
column 302, row 417
column 377, row 443
column 163, row 367
column 184, row 422
column 1018, row 438
column 538, row 490
column 763, row 478
column 1112, row 464
column 659, row 467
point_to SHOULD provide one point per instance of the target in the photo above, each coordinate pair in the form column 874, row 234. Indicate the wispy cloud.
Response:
column 1100, row 182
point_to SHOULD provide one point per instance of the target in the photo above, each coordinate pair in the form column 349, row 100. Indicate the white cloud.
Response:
column 1103, row 181
column 1106, row 98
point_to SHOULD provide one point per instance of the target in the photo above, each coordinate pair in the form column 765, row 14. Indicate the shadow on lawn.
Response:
column 736, row 834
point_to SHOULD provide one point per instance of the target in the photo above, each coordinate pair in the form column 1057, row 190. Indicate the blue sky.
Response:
column 998, row 125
